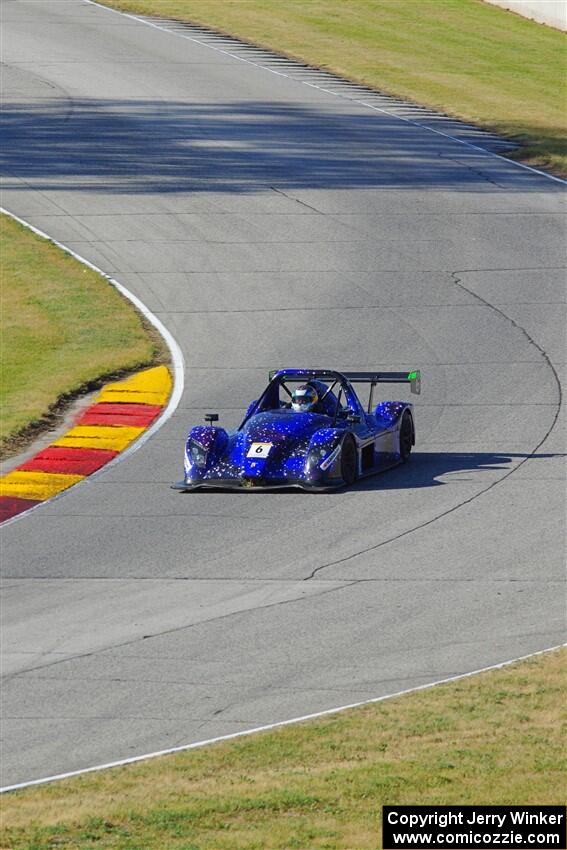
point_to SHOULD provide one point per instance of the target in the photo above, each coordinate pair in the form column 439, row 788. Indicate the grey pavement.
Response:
column 269, row 224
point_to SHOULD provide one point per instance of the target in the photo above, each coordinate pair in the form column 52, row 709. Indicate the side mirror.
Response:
column 354, row 418
column 211, row 417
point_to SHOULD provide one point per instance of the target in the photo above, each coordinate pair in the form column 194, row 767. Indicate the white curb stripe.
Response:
column 266, row 728
column 326, row 91
column 176, row 362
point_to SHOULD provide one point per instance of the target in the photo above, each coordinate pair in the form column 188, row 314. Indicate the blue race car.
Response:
column 308, row 429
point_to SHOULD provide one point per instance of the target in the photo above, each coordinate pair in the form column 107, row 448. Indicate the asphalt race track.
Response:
column 269, row 223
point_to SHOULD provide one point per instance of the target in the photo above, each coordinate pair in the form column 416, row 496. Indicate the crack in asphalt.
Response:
column 477, row 171
column 228, row 579
column 346, row 583
column 265, row 214
column 173, row 630
column 297, row 201
column 136, row 680
column 97, row 240
column 285, row 272
column 338, row 309
column 532, row 342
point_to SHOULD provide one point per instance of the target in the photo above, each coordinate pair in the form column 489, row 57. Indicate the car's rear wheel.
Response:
column 348, row 461
column 406, row 436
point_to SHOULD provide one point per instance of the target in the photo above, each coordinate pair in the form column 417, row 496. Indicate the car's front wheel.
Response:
column 348, row 461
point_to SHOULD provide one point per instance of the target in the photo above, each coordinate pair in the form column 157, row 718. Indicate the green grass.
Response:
column 496, row 738
column 63, row 329
column 463, row 57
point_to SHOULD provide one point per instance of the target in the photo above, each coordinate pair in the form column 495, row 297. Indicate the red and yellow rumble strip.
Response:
column 121, row 412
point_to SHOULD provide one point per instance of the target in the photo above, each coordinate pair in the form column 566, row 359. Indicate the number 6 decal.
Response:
column 259, row 450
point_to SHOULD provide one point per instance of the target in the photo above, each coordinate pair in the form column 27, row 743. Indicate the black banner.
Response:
column 461, row 827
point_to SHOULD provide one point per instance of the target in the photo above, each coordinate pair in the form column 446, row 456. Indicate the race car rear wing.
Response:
column 413, row 378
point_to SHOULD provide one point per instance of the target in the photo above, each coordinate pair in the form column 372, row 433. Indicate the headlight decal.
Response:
column 331, row 458
column 197, row 454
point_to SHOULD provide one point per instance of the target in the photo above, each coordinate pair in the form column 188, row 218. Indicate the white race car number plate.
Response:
column 259, row 450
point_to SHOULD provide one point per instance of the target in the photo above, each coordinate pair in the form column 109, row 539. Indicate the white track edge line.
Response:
column 177, row 363
column 267, row 727
column 328, row 91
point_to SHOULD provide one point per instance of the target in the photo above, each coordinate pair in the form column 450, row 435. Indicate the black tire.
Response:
column 349, row 461
column 406, row 437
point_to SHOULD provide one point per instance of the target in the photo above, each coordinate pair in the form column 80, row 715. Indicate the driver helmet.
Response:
column 304, row 398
